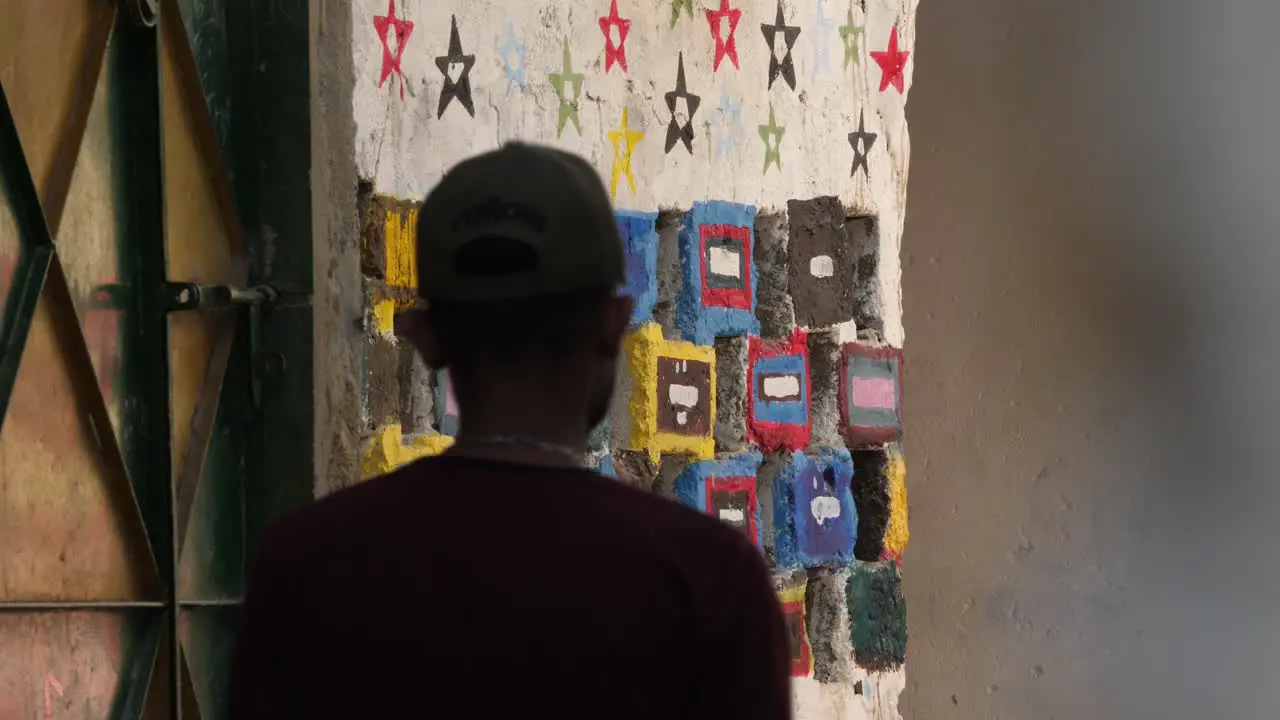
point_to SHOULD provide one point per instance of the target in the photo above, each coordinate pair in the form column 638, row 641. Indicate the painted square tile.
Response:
column 815, row 519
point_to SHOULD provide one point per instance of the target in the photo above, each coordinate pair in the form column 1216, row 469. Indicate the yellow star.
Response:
column 624, row 141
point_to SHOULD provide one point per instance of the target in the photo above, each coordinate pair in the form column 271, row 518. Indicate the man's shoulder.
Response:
column 686, row 533
column 348, row 506
column 612, row 506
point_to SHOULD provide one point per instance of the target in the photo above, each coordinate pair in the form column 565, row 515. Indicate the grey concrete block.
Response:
column 822, row 266
column 765, row 478
column 863, row 237
column 774, row 307
column 824, row 370
column 871, row 498
column 633, row 468
column 383, row 376
column 669, row 469
column 415, row 392
column 828, row 620
column 669, row 271
column 730, row 431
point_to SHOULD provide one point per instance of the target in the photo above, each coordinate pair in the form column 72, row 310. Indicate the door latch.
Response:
column 180, row 296
column 258, row 300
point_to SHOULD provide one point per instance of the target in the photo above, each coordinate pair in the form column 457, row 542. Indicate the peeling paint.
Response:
column 388, row 449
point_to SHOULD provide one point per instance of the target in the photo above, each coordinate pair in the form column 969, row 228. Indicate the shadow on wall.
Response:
column 1088, row 289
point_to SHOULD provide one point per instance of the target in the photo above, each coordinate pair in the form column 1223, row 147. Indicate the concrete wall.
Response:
column 338, row 302
column 757, row 154
column 1089, row 282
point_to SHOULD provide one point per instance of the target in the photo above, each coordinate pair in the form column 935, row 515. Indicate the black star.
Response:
column 867, row 140
column 789, row 34
column 676, row 131
column 460, row 88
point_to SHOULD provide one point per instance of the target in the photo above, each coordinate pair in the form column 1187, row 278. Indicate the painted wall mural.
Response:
column 763, row 374
column 394, row 32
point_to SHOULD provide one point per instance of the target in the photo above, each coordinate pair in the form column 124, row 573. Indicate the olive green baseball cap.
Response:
column 517, row 222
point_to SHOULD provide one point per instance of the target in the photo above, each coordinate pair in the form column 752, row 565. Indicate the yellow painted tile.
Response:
column 388, row 449
column 643, row 348
column 897, row 534
column 384, row 316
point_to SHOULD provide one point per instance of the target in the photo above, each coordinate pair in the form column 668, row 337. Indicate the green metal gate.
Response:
column 155, row 349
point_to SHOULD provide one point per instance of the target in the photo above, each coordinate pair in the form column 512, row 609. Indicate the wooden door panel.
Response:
column 208, row 640
column 69, row 529
column 128, row 420
column 49, row 59
column 61, row 664
column 211, row 564
column 91, row 241
column 197, row 242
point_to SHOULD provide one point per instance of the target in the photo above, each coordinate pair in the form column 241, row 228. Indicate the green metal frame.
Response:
column 251, row 62
column 33, row 257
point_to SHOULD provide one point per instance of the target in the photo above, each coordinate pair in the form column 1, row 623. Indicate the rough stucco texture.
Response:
column 1090, row 416
column 338, row 299
column 756, row 152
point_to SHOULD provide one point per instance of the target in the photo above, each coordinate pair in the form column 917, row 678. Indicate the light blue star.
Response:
column 821, row 30
column 729, row 134
column 510, row 46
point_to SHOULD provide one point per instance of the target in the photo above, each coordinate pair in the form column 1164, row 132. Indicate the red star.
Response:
column 391, row 61
column 615, row 53
column 892, row 62
column 724, row 47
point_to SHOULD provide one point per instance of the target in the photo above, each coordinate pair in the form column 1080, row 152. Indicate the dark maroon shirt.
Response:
column 476, row 589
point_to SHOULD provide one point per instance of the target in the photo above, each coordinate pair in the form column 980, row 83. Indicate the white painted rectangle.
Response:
column 732, row 515
column 725, row 263
column 682, row 395
column 822, row 266
column 782, row 386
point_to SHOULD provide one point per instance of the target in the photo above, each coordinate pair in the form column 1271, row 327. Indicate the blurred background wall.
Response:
column 1093, row 234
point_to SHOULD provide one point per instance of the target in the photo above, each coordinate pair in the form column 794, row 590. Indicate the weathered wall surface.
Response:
column 757, row 153
column 1090, row 283
column 337, row 300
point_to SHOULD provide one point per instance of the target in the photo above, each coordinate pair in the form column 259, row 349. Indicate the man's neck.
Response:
column 508, row 437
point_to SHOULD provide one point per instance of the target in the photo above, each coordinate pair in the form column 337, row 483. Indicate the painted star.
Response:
column 729, row 128
column 459, row 88
column 786, row 67
column 849, row 33
column 509, row 47
column 624, row 141
column 892, row 63
column 821, row 26
column 861, row 141
column 725, row 46
column 675, row 131
column 391, row 60
column 615, row 53
column 567, row 78
column 675, row 9
column 772, row 134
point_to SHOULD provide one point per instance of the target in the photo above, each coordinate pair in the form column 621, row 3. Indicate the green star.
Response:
column 675, row 9
column 849, row 34
column 772, row 149
column 567, row 77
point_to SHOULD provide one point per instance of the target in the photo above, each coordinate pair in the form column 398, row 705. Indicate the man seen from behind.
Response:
column 502, row 579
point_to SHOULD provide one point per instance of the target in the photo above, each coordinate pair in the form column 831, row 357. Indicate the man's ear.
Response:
column 617, row 316
column 415, row 325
